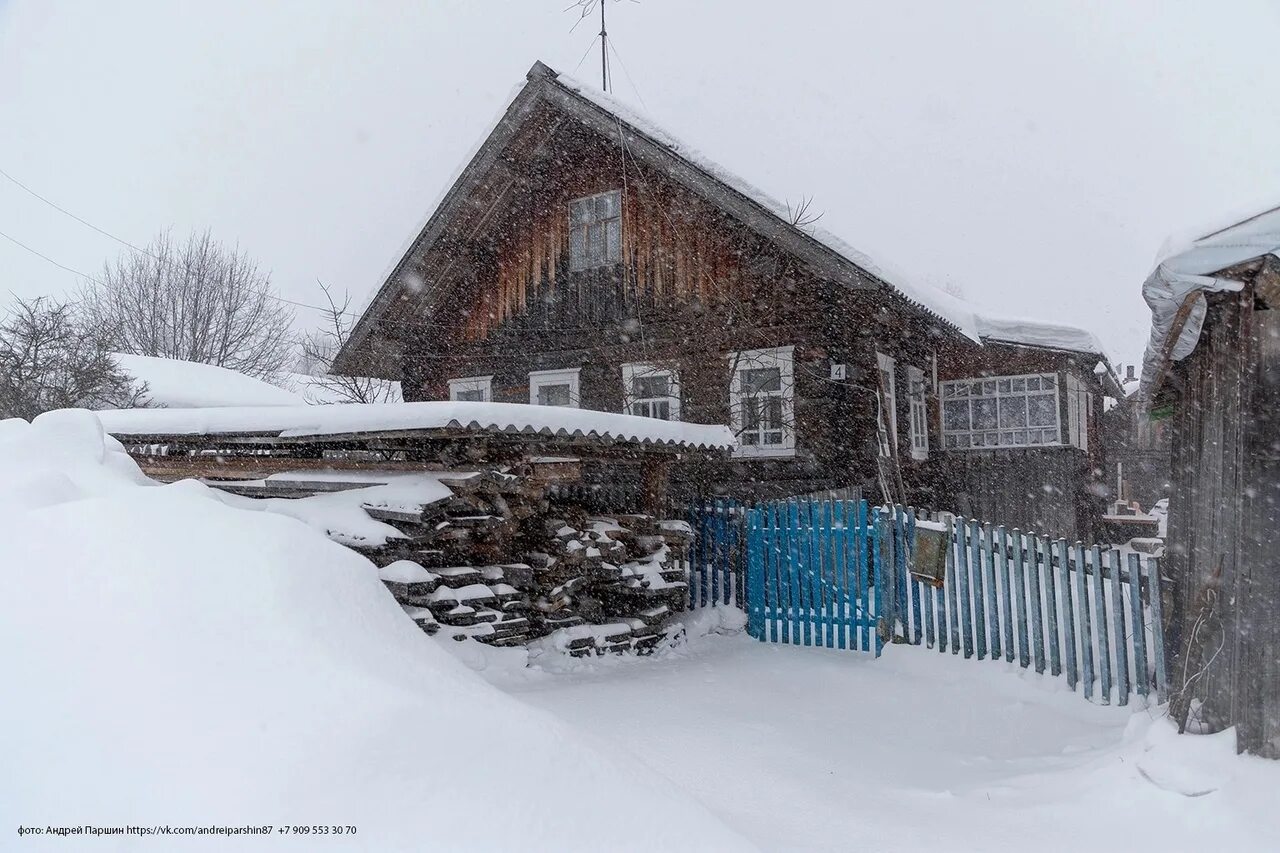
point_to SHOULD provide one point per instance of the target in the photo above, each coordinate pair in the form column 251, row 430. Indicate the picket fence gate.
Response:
column 841, row 574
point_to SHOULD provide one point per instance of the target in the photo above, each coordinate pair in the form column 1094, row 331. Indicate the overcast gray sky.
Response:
column 1033, row 155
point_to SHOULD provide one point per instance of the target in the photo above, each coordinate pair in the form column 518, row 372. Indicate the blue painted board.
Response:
column 1100, row 625
column 1118, row 619
column 1141, row 680
column 1020, row 595
column 1086, row 625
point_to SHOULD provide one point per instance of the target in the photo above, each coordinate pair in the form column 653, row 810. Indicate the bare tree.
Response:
column 195, row 301
column 321, row 345
column 51, row 359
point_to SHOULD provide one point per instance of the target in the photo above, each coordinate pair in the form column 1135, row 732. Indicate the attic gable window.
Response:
column 595, row 230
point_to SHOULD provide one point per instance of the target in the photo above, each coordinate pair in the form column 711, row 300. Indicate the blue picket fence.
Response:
column 813, row 574
column 717, row 558
column 1087, row 613
column 840, row 574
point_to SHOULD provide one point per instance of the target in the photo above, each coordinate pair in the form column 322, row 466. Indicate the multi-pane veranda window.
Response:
column 651, row 391
column 595, row 230
column 1002, row 411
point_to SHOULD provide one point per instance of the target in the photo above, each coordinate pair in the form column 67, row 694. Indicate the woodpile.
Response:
column 506, row 559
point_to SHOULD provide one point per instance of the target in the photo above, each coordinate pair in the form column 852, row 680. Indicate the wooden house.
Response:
column 585, row 257
column 1213, row 372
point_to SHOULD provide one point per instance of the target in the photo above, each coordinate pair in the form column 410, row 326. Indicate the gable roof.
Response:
column 826, row 254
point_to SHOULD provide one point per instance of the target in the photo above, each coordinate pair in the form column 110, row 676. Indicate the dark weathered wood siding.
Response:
column 1223, row 557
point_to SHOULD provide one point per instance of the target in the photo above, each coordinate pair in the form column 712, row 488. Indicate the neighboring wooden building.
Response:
column 584, row 257
column 1213, row 368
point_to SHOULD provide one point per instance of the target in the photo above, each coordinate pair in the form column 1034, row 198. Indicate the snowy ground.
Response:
column 816, row 749
column 171, row 658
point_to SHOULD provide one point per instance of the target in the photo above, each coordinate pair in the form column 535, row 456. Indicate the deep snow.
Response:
column 803, row 748
column 170, row 659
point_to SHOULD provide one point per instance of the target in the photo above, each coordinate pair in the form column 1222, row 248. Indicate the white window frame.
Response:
column 564, row 376
column 885, row 365
column 611, row 226
column 641, row 370
column 992, row 389
column 782, row 358
column 917, row 396
column 483, row 384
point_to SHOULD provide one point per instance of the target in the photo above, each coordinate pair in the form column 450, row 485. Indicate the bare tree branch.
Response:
column 198, row 301
column 319, row 347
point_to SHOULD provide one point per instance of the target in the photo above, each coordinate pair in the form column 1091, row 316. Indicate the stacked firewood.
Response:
column 505, row 560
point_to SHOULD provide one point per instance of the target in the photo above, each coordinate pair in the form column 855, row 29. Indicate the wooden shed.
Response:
column 1213, row 369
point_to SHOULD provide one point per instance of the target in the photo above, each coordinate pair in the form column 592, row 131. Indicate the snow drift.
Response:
column 171, row 659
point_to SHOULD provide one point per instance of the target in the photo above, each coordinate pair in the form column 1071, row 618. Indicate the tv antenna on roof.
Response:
column 587, row 8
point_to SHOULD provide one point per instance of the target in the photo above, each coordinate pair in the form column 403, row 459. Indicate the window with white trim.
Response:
column 595, row 230
column 888, row 398
column 476, row 389
column 762, row 402
column 651, row 391
column 917, row 396
column 555, row 387
column 1001, row 411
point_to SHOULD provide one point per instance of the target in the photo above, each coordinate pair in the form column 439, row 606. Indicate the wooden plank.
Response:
column 1141, row 680
column 993, row 603
column 1117, row 615
column 813, row 570
column 1002, row 567
column 1068, row 614
column 799, row 604
column 1156, row 593
column 877, row 579
column 755, row 577
column 953, row 581
column 866, row 577
column 1100, row 621
column 1051, row 607
column 927, row 592
column 841, row 545
column 906, row 530
column 1020, row 596
column 979, row 594
column 1086, row 625
column 1036, row 602
column 966, row 611
column 830, row 572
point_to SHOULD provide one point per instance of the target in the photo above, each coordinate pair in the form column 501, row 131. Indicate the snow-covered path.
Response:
column 816, row 749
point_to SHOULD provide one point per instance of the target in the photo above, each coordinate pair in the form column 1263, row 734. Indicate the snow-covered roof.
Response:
column 969, row 321
column 363, row 418
column 936, row 302
column 1184, row 271
column 173, row 383
column 1032, row 333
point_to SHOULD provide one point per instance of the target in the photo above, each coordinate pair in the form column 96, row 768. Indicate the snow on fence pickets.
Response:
column 837, row 573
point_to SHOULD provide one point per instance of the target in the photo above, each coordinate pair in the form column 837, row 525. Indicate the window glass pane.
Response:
column 1013, row 412
column 955, row 414
column 984, row 414
column 952, row 440
column 595, row 243
column 613, row 240
column 1033, row 383
column 1018, row 384
column 1020, row 437
column 1041, row 410
column 1003, row 385
column 580, row 211
column 773, row 412
column 661, row 411
column 554, row 395
column 651, row 386
column 1048, row 381
column 989, row 388
column 607, row 205
column 756, row 380
column 472, row 395
column 578, row 248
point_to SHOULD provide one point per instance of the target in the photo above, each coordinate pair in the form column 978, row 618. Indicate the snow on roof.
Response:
column 1036, row 334
column 1184, row 271
column 173, row 383
column 350, row 418
column 935, row 301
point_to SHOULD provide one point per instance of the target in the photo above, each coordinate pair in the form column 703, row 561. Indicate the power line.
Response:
column 122, row 242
